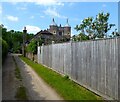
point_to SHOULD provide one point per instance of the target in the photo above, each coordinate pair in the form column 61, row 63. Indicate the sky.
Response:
column 38, row 14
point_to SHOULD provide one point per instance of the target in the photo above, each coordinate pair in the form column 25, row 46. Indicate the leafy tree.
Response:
column 14, row 39
column 80, row 37
column 4, row 48
column 32, row 47
column 115, row 33
column 97, row 27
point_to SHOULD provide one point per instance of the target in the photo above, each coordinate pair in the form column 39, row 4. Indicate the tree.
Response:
column 4, row 48
column 97, row 27
column 32, row 47
column 80, row 37
column 14, row 39
column 115, row 33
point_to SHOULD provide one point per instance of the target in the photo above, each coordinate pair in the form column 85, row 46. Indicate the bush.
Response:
column 4, row 48
column 66, row 77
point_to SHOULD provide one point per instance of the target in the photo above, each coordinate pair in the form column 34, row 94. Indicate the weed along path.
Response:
column 36, row 88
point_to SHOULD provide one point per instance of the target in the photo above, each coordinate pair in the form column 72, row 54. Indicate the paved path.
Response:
column 37, row 89
column 8, row 79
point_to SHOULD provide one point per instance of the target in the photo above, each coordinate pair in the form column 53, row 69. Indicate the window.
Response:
column 60, row 33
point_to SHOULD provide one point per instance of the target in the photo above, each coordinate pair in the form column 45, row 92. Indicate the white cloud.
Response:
column 32, row 29
column 71, row 4
column 47, row 2
column 104, row 5
column 12, row 18
column 51, row 2
column 38, row 2
column 42, row 16
column 53, row 13
column 31, row 17
column 13, row 3
column 21, row 8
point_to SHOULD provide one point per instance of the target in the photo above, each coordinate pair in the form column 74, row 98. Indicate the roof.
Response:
column 67, row 24
column 43, row 32
column 53, row 23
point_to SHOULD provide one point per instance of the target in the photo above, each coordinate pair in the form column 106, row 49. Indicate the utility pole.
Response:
column 24, row 40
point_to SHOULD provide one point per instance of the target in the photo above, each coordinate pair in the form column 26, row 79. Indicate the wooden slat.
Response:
column 94, row 64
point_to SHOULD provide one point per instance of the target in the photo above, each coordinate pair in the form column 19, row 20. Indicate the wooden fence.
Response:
column 93, row 64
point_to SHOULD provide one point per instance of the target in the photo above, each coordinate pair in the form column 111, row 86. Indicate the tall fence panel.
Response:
column 93, row 64
column 119, row 68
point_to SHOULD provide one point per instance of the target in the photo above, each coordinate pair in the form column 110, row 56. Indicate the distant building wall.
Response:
column 59, row 30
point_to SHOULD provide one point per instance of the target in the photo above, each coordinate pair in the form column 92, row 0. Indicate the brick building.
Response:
column 54, row 33
column 59, row 30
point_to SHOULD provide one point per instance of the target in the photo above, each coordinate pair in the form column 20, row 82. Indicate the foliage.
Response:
column 66, row 77
column 32, row 47
column 21, row 93
column 97, row 27
column 17, row 71
column 21, row 90
column 66, row 88
column 115, row 33
column 4, row 48
column 14, row 39
column 80, row 37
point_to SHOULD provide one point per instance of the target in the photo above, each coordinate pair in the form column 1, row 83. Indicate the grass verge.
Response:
column 21, row 93
column 21, row 90
column 68, row 89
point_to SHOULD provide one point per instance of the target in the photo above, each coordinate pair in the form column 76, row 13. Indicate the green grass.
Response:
column 68, row 89
column 21, row 90
column 17, row 74
column 21, row 93
column 17, row 71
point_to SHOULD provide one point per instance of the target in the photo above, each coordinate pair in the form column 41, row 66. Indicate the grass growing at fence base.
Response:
column 65, row 87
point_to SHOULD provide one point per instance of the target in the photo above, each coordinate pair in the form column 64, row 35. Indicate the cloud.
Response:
column 21, row 8
column 31, row 17
column 71, row 4
column 57, row 2
column 38, row 2
column 53, row 13
column 104, row 5
column 32, row 29
column 12, row 18
column 48, row 2
column 42, row 16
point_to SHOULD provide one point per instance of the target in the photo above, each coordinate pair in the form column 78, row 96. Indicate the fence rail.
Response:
column 93, row 64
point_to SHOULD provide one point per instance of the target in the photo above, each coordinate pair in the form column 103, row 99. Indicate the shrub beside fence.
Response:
column 93, row 64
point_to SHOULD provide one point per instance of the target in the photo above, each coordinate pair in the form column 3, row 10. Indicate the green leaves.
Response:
column 4, row 47
column 14, row 39
column 97, row 27
column 32, row 46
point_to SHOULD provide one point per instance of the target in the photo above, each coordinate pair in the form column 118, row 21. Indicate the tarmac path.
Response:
column 36, row 88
